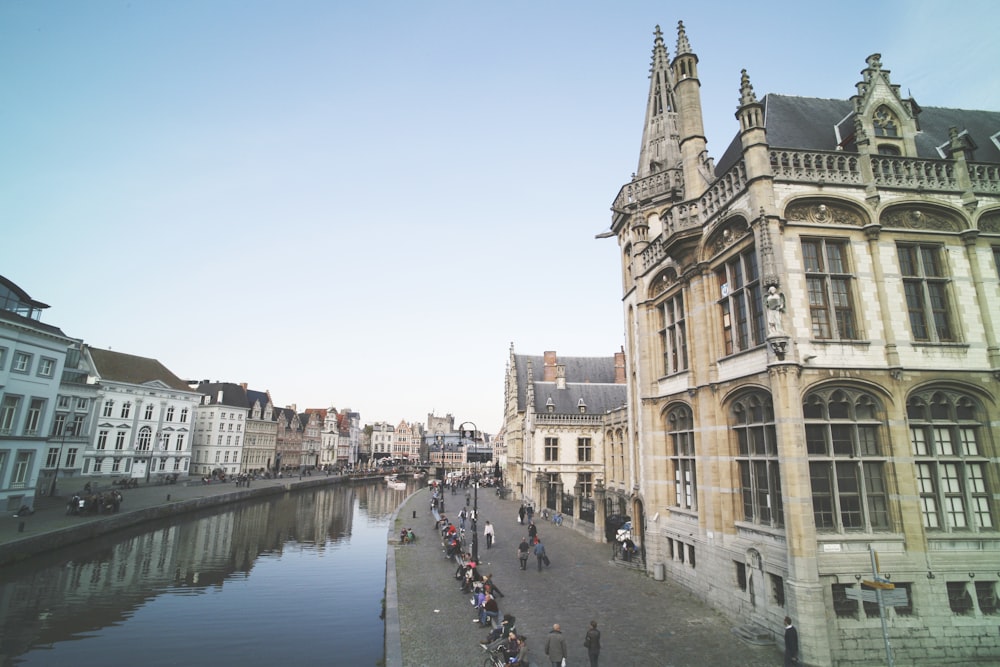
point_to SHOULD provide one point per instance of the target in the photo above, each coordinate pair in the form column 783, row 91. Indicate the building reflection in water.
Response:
column 74, row 592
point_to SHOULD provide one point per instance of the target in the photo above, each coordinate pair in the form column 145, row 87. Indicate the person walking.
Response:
column 592, row 641
column 523, row 549
column 791, row 643
column 555, row 646
column 532, row 530
column 489, row 535
column 540, row 554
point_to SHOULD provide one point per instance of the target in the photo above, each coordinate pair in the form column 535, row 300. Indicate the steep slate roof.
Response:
column 233, row 394
column 808, row 123
column 253, row 396
column 131, row 369
column 589, row 378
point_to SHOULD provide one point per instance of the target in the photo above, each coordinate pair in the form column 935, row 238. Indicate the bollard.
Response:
column 168, row 497
column 20, row 526
column 414, row 514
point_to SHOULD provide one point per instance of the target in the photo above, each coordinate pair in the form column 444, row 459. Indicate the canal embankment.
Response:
column 51, row 527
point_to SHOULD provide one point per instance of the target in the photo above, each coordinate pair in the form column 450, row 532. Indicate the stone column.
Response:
column 971, row 252
column 600, row 494
column 541, row 486
column 806, row 599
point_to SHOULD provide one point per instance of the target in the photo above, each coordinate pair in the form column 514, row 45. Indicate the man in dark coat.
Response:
column 593, row 643
column 791, row 643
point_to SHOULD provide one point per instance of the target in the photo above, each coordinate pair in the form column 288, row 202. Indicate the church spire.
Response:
column 683, row 45
column 698, row 167
column 659, row 135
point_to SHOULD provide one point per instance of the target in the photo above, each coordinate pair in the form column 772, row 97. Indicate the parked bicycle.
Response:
column 495, row 657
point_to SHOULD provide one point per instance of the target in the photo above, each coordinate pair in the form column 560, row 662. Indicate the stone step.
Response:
column 753, row 634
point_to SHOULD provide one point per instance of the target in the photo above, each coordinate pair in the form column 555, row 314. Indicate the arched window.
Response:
column 145, row 437
column 947, row 439
column 846, row 460
column 760, row 478
column 885, row 122
column 680, row 453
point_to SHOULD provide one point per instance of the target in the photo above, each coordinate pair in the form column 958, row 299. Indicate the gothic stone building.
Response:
column 554, row 431
column 842, row 394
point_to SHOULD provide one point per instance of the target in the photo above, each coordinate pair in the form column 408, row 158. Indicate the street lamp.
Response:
column 55, row 476
column 475, row 488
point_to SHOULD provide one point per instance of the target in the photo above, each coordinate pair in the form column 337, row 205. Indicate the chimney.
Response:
column 620, row 367
column 561, row 376
column 244, row 385
column 550, row 367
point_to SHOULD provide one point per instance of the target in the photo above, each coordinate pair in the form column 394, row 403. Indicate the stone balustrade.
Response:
column 816, row 166
column 647, row 188
column 909, row 173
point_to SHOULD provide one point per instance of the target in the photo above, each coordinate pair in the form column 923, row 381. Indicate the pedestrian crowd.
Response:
column 503, row 642
column 100, row 502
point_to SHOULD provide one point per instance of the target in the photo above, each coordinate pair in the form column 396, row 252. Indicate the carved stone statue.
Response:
column 775, row 304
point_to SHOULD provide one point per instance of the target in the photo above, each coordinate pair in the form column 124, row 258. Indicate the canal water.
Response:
column 296, row 579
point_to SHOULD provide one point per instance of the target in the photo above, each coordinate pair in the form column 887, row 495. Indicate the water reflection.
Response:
column 211, row 582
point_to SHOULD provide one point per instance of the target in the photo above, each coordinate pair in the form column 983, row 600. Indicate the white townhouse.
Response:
column 143, row 422
column 32, row 358
column 220, row 425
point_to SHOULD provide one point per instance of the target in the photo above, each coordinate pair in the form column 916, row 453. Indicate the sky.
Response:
column 364, row 205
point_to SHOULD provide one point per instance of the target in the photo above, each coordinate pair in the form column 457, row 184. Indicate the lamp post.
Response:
column 62, row 443
column 475, row 491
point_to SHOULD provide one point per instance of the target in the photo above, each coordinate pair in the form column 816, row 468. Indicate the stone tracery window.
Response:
column 946, row 435
column 673, row 335
column 680, row 453
column 846, row 460
column 757, row 459
column 830, row 286
column 927, row 288
column 741, row 303
column 885, row 122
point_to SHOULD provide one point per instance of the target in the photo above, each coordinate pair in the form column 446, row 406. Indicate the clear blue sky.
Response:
column 364, row 204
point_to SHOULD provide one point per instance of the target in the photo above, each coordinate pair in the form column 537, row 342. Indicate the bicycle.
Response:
column 495, row 657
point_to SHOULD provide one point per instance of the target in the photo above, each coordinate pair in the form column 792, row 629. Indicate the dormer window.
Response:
column 885, row 123
column 963, row 139
column 550, row 405
column 581, row 406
